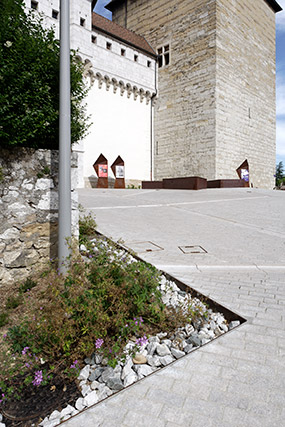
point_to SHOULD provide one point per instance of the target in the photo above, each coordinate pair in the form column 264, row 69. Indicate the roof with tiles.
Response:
column 272, row 3
column 114, row 30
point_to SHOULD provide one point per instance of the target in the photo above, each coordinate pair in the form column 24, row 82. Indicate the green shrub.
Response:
column 29, row 82
column 87, row 228
column 4, row 319
column 13, row 302
column 27, row 285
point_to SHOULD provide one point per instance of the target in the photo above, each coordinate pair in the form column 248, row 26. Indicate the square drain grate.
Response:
column 192, row 249
column 140, row 247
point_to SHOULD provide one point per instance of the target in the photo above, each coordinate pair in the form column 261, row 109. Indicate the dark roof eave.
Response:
column 101, row 30
column 272, row 3
column 112, row 5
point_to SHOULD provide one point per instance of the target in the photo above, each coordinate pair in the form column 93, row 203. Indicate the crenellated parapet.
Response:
column 109, row 82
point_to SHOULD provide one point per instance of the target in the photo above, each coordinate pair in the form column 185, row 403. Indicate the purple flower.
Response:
column 24, row 351
column 73, row 366
column 27, row 365
column 4, row 336
column 2, row 397
column 99, row 342
column 38, row 378
column 142, row 341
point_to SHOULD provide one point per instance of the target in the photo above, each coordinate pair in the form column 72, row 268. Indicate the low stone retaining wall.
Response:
column 29, row 210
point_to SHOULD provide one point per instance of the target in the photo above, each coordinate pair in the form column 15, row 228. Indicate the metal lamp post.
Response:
column 64, row 204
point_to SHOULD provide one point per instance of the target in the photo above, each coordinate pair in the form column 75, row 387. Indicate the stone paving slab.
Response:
column 239, row 379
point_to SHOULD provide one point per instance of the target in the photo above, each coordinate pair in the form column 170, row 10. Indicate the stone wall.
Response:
column 216, row 98
column 246, row 90
column 29, row 210
column 185, row 110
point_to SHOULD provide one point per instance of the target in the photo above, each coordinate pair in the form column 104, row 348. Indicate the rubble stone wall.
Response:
column 29, row 210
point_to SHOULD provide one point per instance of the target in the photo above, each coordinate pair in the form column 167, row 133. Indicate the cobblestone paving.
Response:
column 239, row 379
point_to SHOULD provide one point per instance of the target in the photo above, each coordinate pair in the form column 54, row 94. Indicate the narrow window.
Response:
column 34, row 5
column 136, row 58
column 55, row 14
column 82, row 22
column 94, row 39
column 163, row 56
column 123, row 52
column 149, row 64
column 108, row 46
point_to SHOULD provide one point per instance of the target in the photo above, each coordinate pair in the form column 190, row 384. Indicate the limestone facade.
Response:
column 216, row 96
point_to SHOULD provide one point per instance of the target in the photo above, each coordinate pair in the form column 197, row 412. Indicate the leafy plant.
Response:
column 43, row 172
column 29, row 82
column 27, row 285
column 13, row 302
column 87, row 228
column 4, row 318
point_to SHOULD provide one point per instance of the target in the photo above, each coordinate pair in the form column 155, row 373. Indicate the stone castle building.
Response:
column 178, row 87
column 216, row 84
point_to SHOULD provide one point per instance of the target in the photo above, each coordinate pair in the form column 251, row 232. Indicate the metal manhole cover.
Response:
column 192, row 249
column 140, row 247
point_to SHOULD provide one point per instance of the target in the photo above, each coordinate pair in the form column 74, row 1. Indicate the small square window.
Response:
column 149, row 64
column 54, row 14
column 82, row 22
column 136, row 58
column 94, row 39
column 108, row 46
column 123, row 52
column 34, row 5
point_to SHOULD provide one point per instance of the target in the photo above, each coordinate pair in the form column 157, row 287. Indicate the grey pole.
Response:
column 64, row 202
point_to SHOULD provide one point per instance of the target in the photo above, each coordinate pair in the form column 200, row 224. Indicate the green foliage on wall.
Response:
column 29, row 82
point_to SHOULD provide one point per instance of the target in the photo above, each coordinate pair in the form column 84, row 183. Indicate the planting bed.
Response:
column 142, row 356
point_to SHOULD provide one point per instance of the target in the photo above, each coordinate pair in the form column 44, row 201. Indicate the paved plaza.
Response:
column 228, row 244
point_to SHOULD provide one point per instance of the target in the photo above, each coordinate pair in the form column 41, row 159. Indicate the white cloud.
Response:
column 280, row 17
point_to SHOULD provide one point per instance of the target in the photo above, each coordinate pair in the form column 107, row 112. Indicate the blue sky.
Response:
column 280, row 75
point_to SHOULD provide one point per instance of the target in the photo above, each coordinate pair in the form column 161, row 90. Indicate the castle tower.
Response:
column 216, row 84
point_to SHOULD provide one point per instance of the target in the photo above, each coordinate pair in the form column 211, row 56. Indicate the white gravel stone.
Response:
column 79, row 404
column 153, row 361
column 177, row 353
column 85, row 390
column 143, row 370
column 162, row 350
column 84, row 373
column 94, row 385
column 224, row 327
column 90, row 399
column 127, row 370
column 165, row 360
column 54, row 415
column 67, row 411
column 130, row 379
column 234, row 324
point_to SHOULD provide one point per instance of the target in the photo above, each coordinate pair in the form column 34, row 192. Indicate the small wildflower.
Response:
column 99, row 342
column 2, row 397
column 38, row 378
column 27, row 365
column 4, row 336
column 8, row 43
column 142, row 341
column 24, row 351
column 73, row 366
